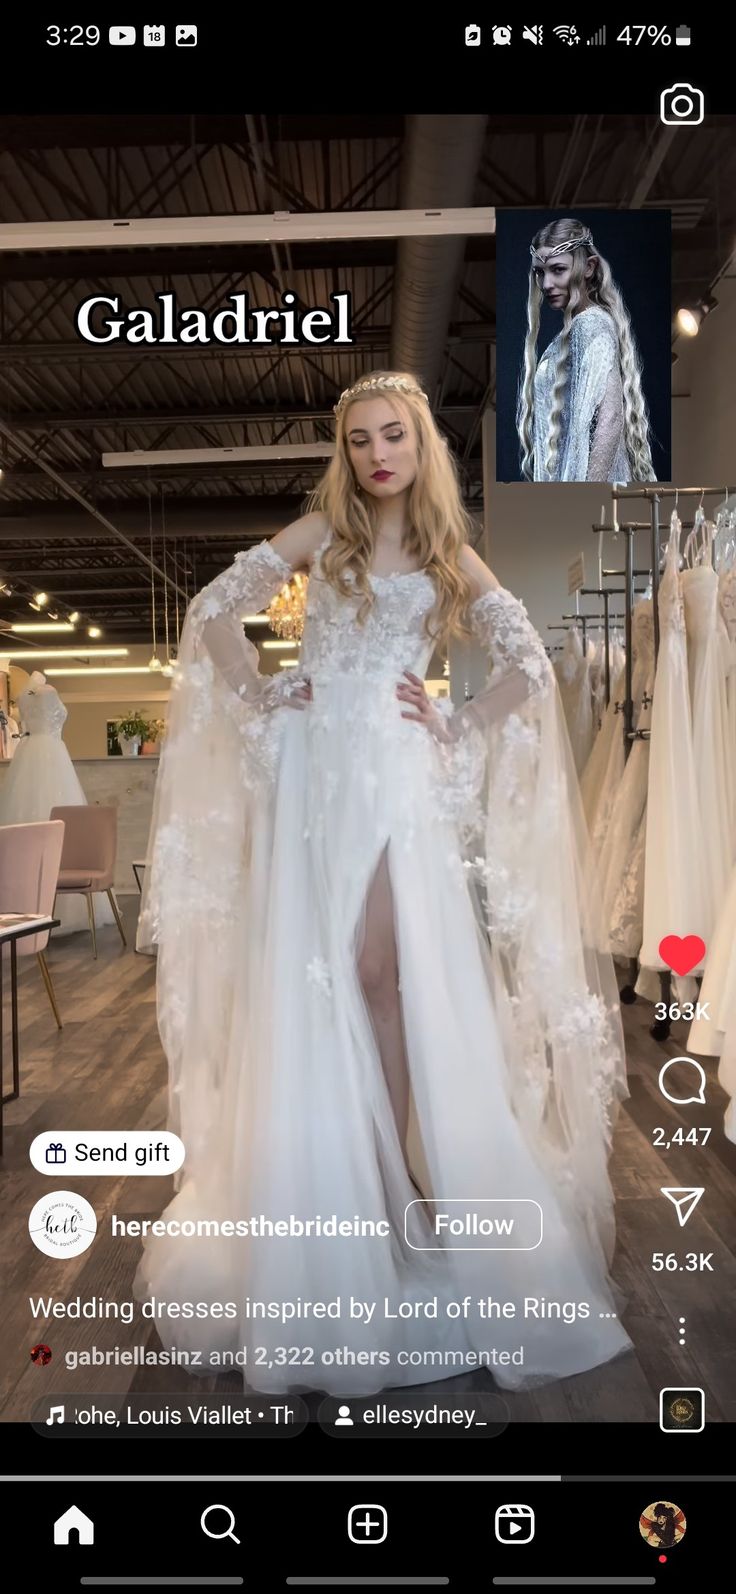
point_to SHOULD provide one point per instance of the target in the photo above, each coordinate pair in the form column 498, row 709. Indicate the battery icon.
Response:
column 682, row 36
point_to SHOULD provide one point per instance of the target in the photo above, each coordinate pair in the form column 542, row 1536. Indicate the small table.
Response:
column 139, row 863
column 12, row 933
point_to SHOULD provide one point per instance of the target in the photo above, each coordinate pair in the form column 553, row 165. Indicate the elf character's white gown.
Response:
column 268, row 827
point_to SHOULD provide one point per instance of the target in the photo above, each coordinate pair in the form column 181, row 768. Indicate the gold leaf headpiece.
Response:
column 378, row 384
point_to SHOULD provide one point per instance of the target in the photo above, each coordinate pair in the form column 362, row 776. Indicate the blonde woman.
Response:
column 381, row 988
column 581, row 412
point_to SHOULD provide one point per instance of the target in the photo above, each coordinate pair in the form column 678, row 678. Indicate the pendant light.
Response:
column 154, row 663
column 168, row 668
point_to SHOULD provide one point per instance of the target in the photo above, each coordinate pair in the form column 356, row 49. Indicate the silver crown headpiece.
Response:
column 564, row 248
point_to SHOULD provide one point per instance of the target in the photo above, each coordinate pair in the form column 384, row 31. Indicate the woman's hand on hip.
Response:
column 298, row 693
column 420, row 707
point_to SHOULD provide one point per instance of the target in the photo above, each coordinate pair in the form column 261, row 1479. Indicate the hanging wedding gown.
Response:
column 41, row 777
column 264, row 845
column 715, row 1036
column 621, row 857
column 727, row 606
column 607, row 757
column 713, row 765
column 676, row 900
column 573, row 678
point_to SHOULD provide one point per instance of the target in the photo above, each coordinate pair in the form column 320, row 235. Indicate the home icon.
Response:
column 73, row 1521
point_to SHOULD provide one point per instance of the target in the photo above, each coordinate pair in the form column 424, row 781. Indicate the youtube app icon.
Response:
column 514, row 1524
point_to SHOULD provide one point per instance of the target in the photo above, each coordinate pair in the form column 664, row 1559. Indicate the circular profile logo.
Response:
column 62, row 1224
column 662, row 1524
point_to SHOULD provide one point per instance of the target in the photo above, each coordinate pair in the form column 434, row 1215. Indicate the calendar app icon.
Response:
column 154, row 37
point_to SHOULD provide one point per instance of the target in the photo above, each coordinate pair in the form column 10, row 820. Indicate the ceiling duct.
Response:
column 440, row 167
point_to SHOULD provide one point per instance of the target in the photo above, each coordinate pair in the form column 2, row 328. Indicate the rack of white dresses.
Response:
column 653, row 496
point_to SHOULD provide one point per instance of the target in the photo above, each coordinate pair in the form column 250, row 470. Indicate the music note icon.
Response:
column 56, row 1414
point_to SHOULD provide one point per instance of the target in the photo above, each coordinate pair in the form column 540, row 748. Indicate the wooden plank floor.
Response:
column 105, row 1069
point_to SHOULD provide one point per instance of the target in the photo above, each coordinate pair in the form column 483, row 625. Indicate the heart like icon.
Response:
column 682, row 953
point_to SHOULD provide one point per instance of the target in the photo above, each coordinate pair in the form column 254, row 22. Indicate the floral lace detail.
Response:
column 457, row 774
column 318, row 976
column 189, row 890
column 253, row 577
column 502, row 626
column 586, row 1026
column 390, row 639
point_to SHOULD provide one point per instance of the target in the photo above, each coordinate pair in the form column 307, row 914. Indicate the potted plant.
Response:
column 131, row 730
column 154, row 735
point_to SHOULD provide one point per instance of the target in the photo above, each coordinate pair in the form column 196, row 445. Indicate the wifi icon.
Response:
column 567, row 35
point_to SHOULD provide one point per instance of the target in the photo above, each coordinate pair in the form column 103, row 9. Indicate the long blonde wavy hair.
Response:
column 601, row 290
column 439, row 523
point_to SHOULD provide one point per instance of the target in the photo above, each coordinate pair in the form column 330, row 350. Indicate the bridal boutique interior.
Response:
column 132, row 476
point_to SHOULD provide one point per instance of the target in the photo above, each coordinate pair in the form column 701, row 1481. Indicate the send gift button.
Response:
column 497, row 1224
column 113, row 1151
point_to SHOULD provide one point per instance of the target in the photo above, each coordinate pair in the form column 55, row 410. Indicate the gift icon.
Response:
column 55, row 1152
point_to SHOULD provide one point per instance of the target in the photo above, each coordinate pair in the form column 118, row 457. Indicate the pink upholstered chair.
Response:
column 88, row 858
column 29, row 867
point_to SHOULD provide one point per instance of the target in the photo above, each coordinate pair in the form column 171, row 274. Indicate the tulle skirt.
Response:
column 308, row 1130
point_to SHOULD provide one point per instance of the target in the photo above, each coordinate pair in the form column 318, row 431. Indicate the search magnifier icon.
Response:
column 228, row 1533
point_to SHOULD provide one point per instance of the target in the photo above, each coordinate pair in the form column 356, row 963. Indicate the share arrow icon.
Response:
column 684, row 1201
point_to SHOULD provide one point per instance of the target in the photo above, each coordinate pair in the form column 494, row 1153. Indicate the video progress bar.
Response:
column 368, row 1582
column 162, row 1582
column 574, row 1582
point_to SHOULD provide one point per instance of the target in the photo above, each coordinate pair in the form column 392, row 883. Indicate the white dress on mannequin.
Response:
column 263, row 850
column 41, row 777
column 676, row 901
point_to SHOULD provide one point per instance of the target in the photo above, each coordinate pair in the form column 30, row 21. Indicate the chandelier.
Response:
column 286, row 610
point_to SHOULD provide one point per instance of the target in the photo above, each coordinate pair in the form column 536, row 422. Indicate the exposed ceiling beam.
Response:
column 79, row 420
column 281, row 226
column 91, row 509
column 74, row 265
column 374, row 339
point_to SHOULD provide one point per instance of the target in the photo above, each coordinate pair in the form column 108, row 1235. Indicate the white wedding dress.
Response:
column 715, row 1036
column 676, row 897
column 707, row 643
column 606, row 761
column 263, row 851
column 622, row 853
column 573, row 678
column 41, row 777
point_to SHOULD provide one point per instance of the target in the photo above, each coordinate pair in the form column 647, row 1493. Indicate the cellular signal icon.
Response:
column 599, row 37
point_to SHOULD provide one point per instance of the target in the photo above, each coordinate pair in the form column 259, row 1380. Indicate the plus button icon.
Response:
column 367, row 1524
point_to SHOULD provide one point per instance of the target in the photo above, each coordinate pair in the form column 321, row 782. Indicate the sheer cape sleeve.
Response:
column 217, row 762
column 528, row 855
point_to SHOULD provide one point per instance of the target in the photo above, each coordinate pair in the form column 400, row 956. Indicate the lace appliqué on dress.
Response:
column 502, row 626
column 255, row 585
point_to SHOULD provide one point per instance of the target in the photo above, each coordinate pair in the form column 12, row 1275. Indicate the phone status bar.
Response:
column 569, row 35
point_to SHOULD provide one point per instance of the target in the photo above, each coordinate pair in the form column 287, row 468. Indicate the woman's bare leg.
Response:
column 378, row 970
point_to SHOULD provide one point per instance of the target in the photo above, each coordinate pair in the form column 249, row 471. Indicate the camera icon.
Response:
column 682, row 105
